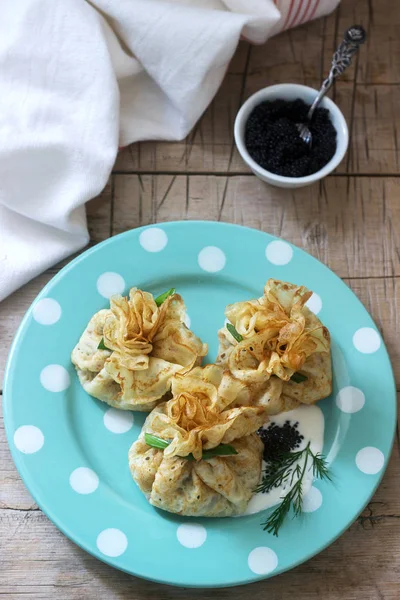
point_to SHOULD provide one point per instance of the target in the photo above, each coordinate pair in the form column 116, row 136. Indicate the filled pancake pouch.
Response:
column 129, row 353
column 278, row 338
column 203, row 414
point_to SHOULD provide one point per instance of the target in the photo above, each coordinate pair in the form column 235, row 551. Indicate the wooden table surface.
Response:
column 350, row 221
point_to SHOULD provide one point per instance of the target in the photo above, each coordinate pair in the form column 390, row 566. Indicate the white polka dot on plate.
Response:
column 55, row 378
column 112, row 542
column 28, row 439
column 187, row 320
column 191, row 535
column 312, row 500
column 262, row 560
column 367, row 340
column 47, row 311
column 109, row 284
column 314, row 303
column 350, row 399
column 84, row 480
column 153, row 239
column 370, row 460
column 279, row 253
column 118, row 421
column 211, row 259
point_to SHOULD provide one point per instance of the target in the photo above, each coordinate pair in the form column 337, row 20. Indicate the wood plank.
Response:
column 379, row 60
column 38, row 562
column 347, row 223
column 375, row 139
column 98, row 213
column 238, row 63
column 294, row 56
column 374, row 145
column 374, row 121
column 13, row 493
column 350, row 224
column 12, row 310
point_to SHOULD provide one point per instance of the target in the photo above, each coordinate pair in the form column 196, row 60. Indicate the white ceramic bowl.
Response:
column 291, row 91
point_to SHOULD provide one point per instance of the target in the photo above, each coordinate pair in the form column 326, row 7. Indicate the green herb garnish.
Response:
column 221, row 450
column 233, row 332
column 101, row 346
column 285, row 468
column 298, row 378
column 155, row 442
column 162, row 297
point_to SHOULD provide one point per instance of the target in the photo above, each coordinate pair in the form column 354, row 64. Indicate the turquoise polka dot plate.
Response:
column 71, row 450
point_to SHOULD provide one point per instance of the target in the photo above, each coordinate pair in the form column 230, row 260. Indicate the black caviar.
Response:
column 272, row 138
column 279, row 439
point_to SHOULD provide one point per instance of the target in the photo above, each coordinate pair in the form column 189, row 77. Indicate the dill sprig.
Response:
column 287, row 468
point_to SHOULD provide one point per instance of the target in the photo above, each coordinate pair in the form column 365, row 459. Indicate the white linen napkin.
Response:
column 79, row 78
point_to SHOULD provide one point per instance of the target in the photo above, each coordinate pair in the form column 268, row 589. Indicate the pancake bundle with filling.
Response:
column 129, row 353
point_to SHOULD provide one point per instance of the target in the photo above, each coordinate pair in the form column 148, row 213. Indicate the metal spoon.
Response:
column 353, row 38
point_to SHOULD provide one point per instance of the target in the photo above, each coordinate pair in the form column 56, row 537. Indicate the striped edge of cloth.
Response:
column 298, row 12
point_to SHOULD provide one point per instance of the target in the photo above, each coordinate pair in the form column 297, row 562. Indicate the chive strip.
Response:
column 221, row 450
column 162, row 297
column 155, row 442
column 233, row 332
column 101, row 346
column 298, row 378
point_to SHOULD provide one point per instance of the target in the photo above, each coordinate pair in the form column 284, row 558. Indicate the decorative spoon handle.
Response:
column 353, row 38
